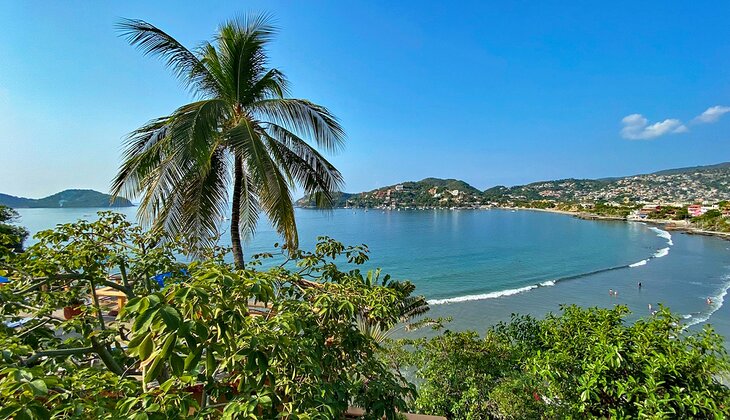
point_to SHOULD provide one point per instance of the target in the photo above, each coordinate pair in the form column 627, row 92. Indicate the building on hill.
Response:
column 696, row 210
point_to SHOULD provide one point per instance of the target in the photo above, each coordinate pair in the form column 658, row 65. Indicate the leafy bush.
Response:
column 214, row 341
column 12, row 235
column 581, row 363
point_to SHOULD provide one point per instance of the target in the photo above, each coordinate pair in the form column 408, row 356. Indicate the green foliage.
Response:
column 712, row 220
column 11, row 235
column 429, row 192
column 581, row 363
column 215, row 340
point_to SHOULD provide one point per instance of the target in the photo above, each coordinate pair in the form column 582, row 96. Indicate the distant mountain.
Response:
column 67, row 198
column 682, row 185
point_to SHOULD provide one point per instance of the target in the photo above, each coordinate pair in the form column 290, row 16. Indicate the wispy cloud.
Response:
column 637, row 127
column 711, row 114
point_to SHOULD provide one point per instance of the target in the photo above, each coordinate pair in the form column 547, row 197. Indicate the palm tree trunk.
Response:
column 236, row 212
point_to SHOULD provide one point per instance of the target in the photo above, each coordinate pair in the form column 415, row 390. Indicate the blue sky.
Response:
column 489, row 92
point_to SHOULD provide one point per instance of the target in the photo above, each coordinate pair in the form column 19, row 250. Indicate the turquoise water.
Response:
column 480, row 266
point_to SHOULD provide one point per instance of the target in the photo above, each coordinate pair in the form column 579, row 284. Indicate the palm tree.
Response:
column 242, row 129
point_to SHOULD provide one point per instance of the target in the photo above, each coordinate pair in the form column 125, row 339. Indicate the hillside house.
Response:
column 696, row 210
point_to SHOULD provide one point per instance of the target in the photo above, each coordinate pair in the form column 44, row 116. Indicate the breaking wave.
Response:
column 491, row 295
column 548, row 283
column 661, row 253
column 638, row 264
column 663, row 234
column 510, row 292
column 717, row 301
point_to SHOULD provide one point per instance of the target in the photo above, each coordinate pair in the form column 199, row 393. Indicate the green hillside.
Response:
column 429, row 192
column 66, row 199
column 683, row 185
column 308, row 201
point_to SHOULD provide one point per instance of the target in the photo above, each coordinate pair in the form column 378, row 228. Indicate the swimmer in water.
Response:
column 639, row 285
column 610, row 292
column 709, row 301
column 650, row 307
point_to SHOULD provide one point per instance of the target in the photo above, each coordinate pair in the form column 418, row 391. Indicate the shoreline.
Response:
column 670, row 225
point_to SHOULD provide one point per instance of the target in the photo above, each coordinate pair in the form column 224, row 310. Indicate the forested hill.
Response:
column 67, row 198
column 683, row 185
column 429, row 192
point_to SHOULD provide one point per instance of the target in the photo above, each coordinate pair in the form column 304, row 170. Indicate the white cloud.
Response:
column 712, row 114
column 637, row 127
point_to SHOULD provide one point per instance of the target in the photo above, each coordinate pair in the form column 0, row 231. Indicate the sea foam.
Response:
column 548, row 283
column 663, row 234
column 483, row 296
column 661, row 253
column 638, row 264
column 717, row 302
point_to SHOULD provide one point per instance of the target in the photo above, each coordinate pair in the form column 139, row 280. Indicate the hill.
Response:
column 683, row 185
column 429, row 192
column 67, row 198
column 709, row 183
column 308, row 201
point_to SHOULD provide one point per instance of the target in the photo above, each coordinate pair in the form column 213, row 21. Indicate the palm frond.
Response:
column 249, row 205
column 240, row 51
column 303, row 118
column 303, row 165
column 154, row 41
column 163, row 157
column 141, row 152
column 272, row 187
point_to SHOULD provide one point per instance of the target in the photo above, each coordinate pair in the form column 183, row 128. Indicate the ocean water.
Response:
column 480, row 266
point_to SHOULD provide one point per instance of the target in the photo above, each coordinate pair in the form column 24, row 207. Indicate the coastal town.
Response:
column 696, row 196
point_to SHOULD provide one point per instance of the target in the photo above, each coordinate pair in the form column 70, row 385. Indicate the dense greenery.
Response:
column 243, row 135
column 292, row 341
column 583, row 363
column 429, row 192
column 712, row 220
column 304, row 339
column 66, row 198
column 12, row 236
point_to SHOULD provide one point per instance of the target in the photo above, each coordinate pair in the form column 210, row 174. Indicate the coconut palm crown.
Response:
column 243, row 129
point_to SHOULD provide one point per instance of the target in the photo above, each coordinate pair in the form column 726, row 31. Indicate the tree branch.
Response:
column 57, row 352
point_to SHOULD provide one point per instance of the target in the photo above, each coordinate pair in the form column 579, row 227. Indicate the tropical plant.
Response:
column 215, row 341
column 244, row 130
column 12, row 234
column 408, row 309
column 583, row 363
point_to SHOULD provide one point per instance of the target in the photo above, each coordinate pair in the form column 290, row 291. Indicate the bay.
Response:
column 480, row 266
